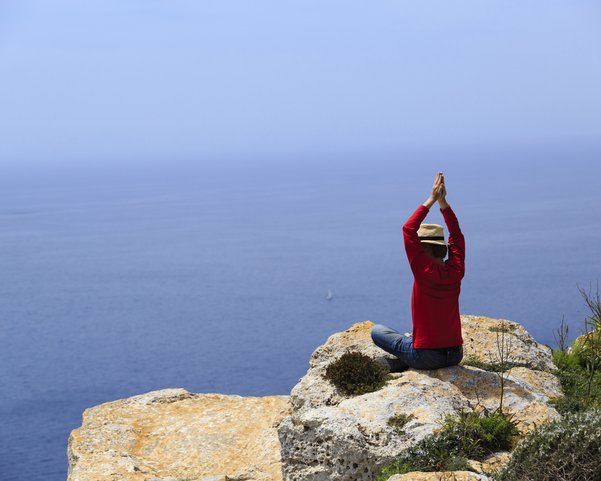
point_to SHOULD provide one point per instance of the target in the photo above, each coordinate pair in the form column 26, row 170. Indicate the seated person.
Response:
column 436, row 341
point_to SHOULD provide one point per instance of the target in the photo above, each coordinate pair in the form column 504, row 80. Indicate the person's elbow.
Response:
column 457, row 273
column 409, row 230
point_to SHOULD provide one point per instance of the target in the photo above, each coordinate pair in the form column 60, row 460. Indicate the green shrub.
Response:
column 579, row 368
column 567, row 449
column 581, row 386
column 467, row 436
column 398, row 422
column 483, row 434
column 356, row 373
column 589, row 350
column 433, row 453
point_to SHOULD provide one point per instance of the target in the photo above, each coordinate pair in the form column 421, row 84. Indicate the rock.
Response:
column 586, row 341
column 172, row 435
column 330, row 437
column 346, row 440
column 315, row 434
column 439, row 476
column 492, row 463
column 480, row 342
column 526, row 401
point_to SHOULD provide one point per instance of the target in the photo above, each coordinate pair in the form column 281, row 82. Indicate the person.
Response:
column 436, row 339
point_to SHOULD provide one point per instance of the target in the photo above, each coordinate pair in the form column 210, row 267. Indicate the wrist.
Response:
column 429, row 202
column 443, row 204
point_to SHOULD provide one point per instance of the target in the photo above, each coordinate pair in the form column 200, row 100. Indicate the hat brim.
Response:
column 436, row 242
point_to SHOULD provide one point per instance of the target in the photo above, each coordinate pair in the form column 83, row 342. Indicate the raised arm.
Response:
column 421, row 265
column 413, row 245
column 456, row 242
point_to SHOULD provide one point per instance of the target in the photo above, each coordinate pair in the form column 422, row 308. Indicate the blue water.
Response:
column 120, row 280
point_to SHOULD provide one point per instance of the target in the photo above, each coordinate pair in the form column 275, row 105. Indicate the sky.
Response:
column 136, row 80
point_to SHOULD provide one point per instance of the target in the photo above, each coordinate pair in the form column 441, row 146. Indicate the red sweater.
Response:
column 436, row 287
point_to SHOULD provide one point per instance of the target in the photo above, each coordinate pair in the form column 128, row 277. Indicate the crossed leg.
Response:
column 395, row 343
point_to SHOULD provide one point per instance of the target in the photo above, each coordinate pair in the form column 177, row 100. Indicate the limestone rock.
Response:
column 480, row 342
column 345, row 441
column 315, row 434
column 526, row 401
column 492, row 463
column 586, row 340
column 330, row 437
column 172, row 434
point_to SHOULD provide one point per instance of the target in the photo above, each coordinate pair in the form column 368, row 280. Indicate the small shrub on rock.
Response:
column 433, row 453
column 398, row 422
column 481, row 434
column 567, row 449
column 581, row 386
column 355, row 373
column 504, row 327
column 470, row 435
column 579, row 367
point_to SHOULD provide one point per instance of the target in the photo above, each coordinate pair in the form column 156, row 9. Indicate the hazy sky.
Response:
column 134, row 79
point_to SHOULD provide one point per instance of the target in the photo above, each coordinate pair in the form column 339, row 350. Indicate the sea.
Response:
column 120, row 278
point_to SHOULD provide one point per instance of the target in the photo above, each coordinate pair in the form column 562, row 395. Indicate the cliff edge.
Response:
column 316, row 433
column 173, row 434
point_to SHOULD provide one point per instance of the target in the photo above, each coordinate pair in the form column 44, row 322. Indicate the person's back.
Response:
column 437, row 283
column 436, row 340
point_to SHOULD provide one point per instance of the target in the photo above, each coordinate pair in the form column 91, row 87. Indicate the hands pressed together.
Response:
column 439, row 193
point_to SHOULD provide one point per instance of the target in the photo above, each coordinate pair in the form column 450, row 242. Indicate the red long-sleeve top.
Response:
column 436, row 287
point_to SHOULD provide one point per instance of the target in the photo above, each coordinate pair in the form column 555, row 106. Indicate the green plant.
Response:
column 590, row 349
column 504, row 327
column 469, row 435
column 433, row 453
column 355, row 373
column 504, row 358
column 398, row 422
column 566, row 449
column 484, row 433
column 579, row 368
column 581, row 392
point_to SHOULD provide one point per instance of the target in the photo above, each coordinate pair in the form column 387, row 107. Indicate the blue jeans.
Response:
column 401, row 346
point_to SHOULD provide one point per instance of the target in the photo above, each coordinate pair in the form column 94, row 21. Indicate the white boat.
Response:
column 329, row 296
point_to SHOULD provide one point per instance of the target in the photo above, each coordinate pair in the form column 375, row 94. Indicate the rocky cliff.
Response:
column 316, row 433
column 173, row 434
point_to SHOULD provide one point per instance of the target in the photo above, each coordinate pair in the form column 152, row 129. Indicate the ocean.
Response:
column 122, row 279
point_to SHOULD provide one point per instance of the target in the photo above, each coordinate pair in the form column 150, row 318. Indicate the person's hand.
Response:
column 442, row 199
column 443, row 190
column 438, row 187
column 437, row 190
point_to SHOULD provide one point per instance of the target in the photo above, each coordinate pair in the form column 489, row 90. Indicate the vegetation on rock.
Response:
column 568, row 449
column 355, row 373
column 579, row 367
column 581, row 389
column 398, row 422
column 469, row 435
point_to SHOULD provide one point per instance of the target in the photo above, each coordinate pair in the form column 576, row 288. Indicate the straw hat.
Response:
column 431, row 234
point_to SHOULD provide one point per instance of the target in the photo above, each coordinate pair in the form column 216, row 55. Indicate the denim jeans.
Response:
column 401, row 346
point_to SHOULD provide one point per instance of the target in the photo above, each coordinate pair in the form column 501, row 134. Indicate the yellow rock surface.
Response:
column 173, row 433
